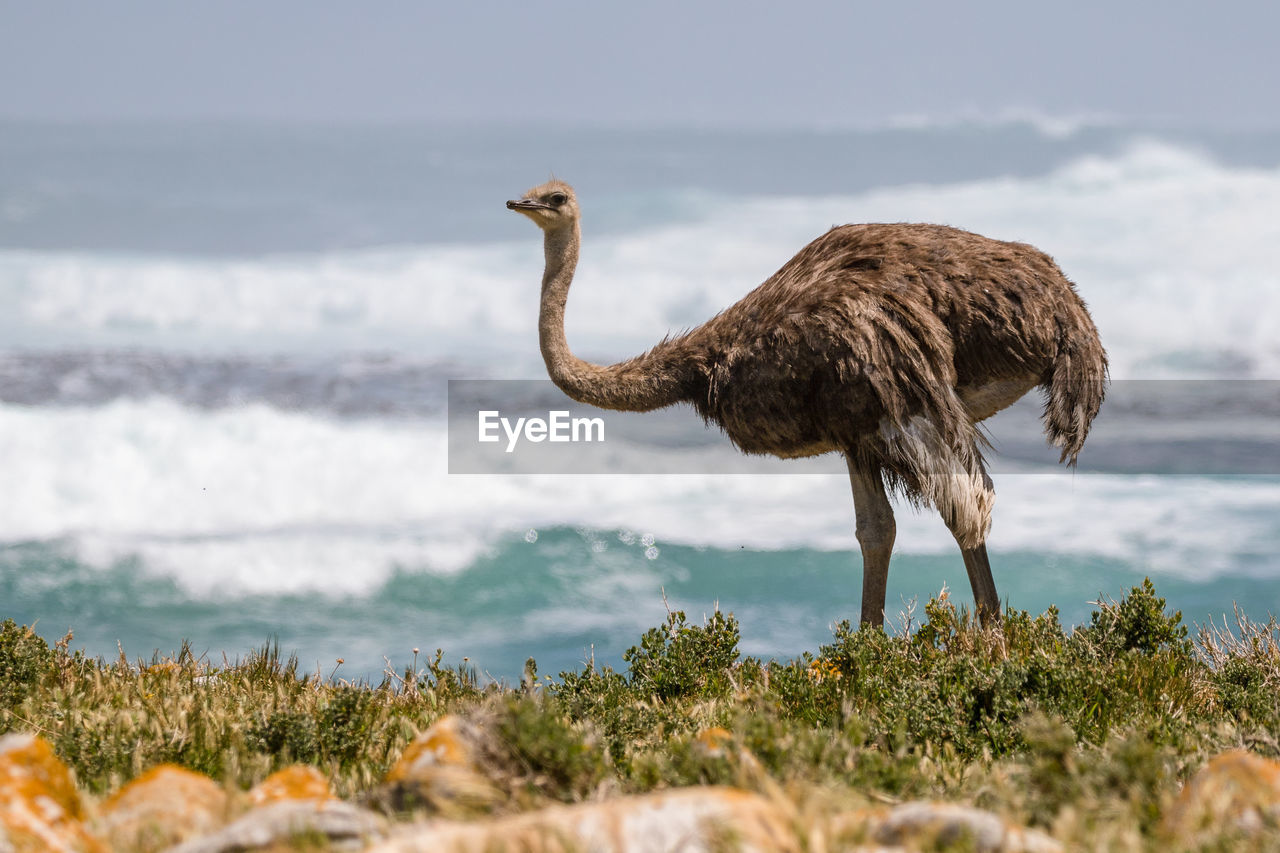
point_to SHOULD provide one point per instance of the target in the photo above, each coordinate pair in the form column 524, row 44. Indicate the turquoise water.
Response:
column 559, row 600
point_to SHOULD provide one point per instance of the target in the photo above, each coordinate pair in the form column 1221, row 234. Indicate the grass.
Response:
column 1085, row 733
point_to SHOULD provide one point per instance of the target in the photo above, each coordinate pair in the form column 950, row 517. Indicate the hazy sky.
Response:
column 801, row 62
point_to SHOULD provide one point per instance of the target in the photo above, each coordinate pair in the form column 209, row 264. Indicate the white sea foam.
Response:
column 253, row 500
column 429, row 299
column 1176, row 255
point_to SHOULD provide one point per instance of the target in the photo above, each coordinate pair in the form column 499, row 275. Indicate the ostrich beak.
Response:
column 527, row 204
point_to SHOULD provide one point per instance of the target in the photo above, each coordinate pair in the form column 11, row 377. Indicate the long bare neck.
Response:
column 650, row 381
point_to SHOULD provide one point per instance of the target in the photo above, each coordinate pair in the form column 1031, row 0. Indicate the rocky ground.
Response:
column 1235, row 796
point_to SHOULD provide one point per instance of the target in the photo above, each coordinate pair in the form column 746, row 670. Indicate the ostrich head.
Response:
column 552, row 206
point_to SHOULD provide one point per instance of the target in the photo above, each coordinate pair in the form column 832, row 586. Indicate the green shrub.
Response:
column 1244, row 691
column 290, row 735
column 344, row 724
column 1138, row 623
column 25, row 659
column 808, row 690
column 550, row 754
column 679, row 660
column 444, row 684
column 604, row 697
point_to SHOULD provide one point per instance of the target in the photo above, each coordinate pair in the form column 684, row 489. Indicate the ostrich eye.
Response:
column 558, row 198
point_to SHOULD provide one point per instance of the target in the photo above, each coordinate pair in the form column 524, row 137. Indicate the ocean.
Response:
column 225, row 355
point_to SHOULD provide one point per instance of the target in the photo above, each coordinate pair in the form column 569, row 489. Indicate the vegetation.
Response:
column 1085, row 733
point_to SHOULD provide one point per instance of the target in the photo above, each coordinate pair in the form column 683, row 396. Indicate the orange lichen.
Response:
column 444, row 743
column 1235, row 787
column 162, row 807
column 712, row 742
column 40, row 809
column 298, row 782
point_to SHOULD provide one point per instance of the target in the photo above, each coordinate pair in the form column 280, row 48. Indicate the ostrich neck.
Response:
column 647, row 382
column 561, row 251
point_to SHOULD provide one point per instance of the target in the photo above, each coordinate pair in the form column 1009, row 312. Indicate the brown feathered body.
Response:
column 885, row 342
column 889, row 343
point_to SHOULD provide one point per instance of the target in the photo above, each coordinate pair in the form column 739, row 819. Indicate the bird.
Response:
column 886, row 343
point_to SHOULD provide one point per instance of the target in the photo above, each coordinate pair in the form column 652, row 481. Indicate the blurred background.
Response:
column 243, row 247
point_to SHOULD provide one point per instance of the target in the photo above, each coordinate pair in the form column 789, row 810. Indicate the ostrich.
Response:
column 885, row 343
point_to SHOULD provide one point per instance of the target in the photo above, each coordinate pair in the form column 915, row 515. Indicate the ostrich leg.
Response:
column 984, row 586
column 875, row 530
column 978, row 568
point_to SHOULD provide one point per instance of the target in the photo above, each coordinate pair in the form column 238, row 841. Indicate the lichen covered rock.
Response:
column 1235, row 791
column 440, row 771
column 298, row 782
column 687, row 819
column 40, row 809
column 713, row 742
column 164, row 806
column 335, row 822
column 450, row 742
column 929, row 823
